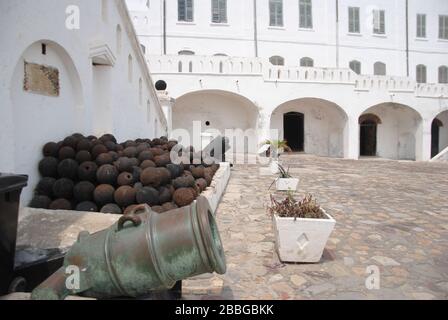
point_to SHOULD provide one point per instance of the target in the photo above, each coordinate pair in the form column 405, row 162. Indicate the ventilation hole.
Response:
column 207, row 123
column 44, row 49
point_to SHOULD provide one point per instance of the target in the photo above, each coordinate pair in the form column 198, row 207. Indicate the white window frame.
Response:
column 188, row 11
column 219, row 10
column 379, row 22
column 277, row 60
column 420, row 73
column 306, row 62
column 443, row 27
column 355, row 66
column 354, row 25
column 421, row 25
column 276, row 13
column 443, row 74
column 305, row 14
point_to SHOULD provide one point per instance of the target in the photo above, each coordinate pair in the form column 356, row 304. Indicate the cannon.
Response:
column 143, row 251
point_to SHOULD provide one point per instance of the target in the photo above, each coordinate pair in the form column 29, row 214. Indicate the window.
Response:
column 379, row 24
column 306, row 62
column 118, row 40
column 219, row 11
column 143, row 48
column 185, row 10
column 443, row 27
column 277, row 61
column 443, row 74
column 276, row 13
column 353, row 20
column 355, row 66
column 186, row 53
column 379, row 69
column 421, row 73
column 130, row 68
column 305, row 14
column 421, row 25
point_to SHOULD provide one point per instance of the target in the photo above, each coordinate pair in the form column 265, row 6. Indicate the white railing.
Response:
column 223, row 65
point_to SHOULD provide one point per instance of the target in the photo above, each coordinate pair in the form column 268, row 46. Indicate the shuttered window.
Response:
column 306, row 62
column 379, row 22
column 353, row 20
column 443, row 74
column 185, row 10
column 276, row 13
column 277, row 60
column 379, row 69
column 219, row 11
column 421, row 26
column 305, row 14
column 355, row 66
column 443, row 27
column 421, row 73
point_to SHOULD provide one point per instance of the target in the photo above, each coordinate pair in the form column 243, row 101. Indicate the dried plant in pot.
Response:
column 273, row 149
column 301, row 227
column 284, row 181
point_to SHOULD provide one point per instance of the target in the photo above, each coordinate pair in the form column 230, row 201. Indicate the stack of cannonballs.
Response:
column 98, row 174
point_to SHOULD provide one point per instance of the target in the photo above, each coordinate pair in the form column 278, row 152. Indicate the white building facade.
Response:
column 66, row 67
column 340, row 78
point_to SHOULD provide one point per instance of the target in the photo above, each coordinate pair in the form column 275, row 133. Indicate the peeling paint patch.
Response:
column 41, row 79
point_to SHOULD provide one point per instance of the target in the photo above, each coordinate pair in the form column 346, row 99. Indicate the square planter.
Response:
column 302, row 240
column 287, row 184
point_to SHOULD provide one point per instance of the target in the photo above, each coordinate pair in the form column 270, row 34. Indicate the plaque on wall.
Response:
column 41, row 79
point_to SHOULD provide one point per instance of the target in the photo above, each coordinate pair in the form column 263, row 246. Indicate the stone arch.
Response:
column 325, row 130
column 39, row 117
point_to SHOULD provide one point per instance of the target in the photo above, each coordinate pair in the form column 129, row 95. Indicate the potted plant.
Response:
column 285, row 182
column 302, row 228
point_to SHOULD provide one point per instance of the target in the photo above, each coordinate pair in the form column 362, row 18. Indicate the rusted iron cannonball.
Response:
column 197, row 172
column 87, row 206
column 97, row 150
column 114, row 155
column 148, row 195
column 125, row 179
column 129, row 143
column 183, row 182
column 45, row 186
column 50, row 149
column 40, row 202
column 70, row 141
column 87, row 171
column 83, row 156
column 157, row 151
column 201, row 183
column 110, row 145
column 165, row 194
column 83, row 191
column 130, row 152
column 83, row 144
column 151, row 177
column 68, row 168
column 48, row 167
column 63, row 188
column 104, row 194
column 66, row 152
column 60, row 204
column 184, row 196
column 134, row 162
column 165, row 174
column 175, row 169
column 162, row 160
column 108, row 137
column 142, row 146
column 104, row 158
column 147, row 164
column 111, row 208
column 107, row 174
column 136, row 172
column 125, row 196
column 123, row 164
column 145, row 155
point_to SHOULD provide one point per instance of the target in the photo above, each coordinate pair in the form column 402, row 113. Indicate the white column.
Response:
column 351, row 138
column 167, row 104
column 423, row 141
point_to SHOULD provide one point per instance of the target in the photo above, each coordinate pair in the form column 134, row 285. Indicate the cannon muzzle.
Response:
column 143, row 251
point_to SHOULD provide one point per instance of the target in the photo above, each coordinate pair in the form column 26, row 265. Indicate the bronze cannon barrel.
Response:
column 143, row 251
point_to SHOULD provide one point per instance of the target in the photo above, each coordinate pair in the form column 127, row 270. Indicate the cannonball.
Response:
column 183, row 182
column 83, row 191
column 83, row 145
column 104, row 158
column 87, row 171
column 63, row 188
column 165, row 194
column 119, row 148
column 171, row 144
column 98, row 149
column 147, row 195
column 114, row 155
column 162, row 160
column 48, row 167
column 60, row 204
column 66, row 152
column 145, row 155
column 168, row 206
column 142, row 146
column 111, row 208
column 165, row 174
column 160, row 85
column 138, row 186
column 40, row 202
column 110, row 145
column 175, row 169
column 92, row 138
column 129, row 143
column 147, row 164
column 50, row 149
column 183, row 196
column 124, row 164
column 157, row 209
column 130, row 152
column 107, row 174
column 151, row 177
column 208, row 177
column 125, row 179
column 136, row 172
column 108, row 137
column 45, row 186
column 68, row 168
column 83, row 156
column 134, row 162
column 125, row 196
column 197, row 172
column 87, row 206
column 201, row 183
column 156, row 151
column 104, row 194
column 70, row 141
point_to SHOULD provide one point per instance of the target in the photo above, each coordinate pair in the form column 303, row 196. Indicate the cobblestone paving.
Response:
column 390, row 214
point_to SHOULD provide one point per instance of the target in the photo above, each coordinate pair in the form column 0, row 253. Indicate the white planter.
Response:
column 274, row 167
column 302, row 240
column 287, row 184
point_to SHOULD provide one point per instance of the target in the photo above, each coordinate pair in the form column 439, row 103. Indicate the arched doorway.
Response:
column 368, row 134
column 293, row 128
column 439, row 133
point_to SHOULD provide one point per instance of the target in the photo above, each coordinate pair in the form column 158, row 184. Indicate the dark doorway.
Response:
column 368, row 138
column 435, row 135
column 294, row 131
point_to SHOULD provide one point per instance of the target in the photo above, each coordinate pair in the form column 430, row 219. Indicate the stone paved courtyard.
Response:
column 390, row 214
